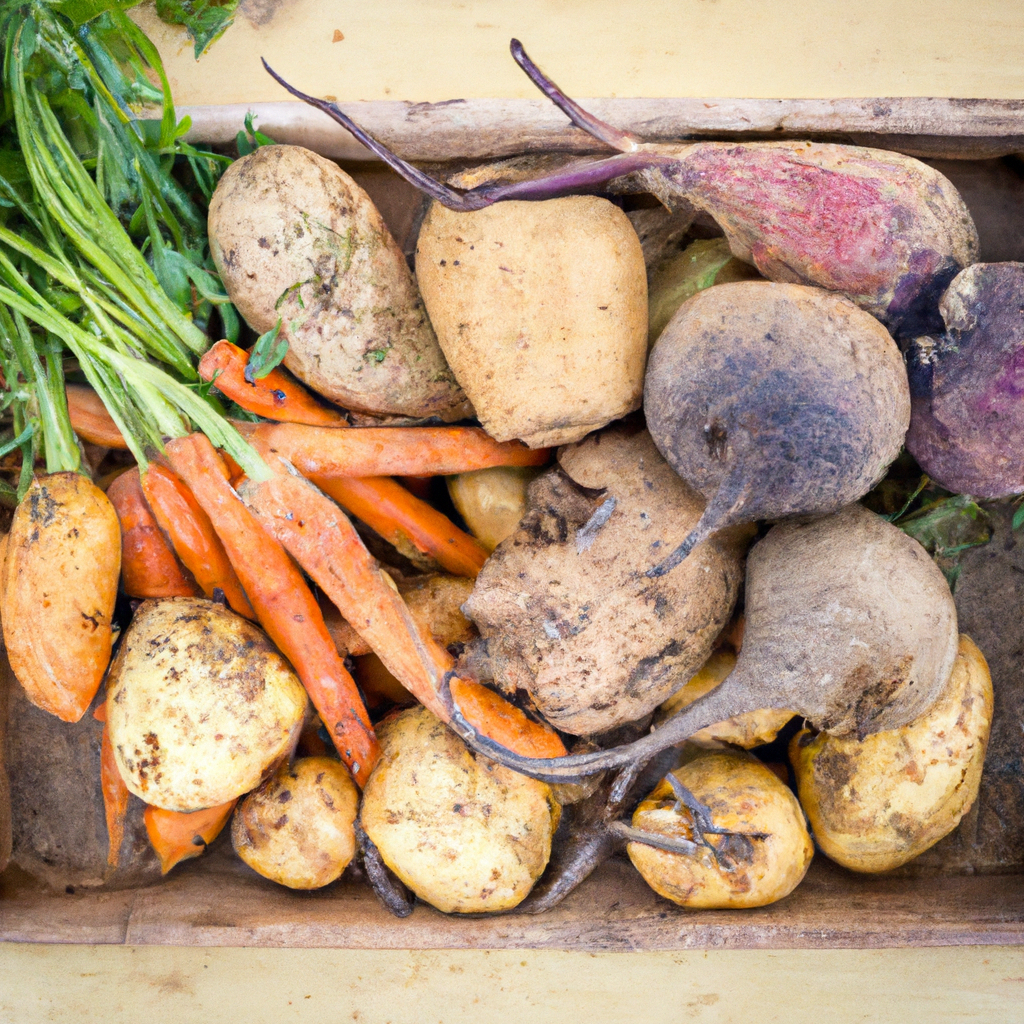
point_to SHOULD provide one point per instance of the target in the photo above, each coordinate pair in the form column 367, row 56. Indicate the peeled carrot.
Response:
column 388, row 451
column 389, row 509
column 193, row 537
column 149, row 567
column 285, row 606
column 277, row 396
column 90, row 419
column 180, row 835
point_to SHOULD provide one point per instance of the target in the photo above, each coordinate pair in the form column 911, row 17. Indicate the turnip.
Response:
column 774, row 400
column 967, row 412
column 848, row 623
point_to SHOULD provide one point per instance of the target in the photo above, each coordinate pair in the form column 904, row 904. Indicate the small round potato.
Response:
column 465, row 834
column 877, row 803
column 742, row 795
column 492, row 501
column 298, row 828
column 199, row 704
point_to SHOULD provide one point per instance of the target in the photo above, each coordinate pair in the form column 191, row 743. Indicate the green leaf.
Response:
column 266, row 354
column 204, row 20
column 1018, row 517
column 949, row 526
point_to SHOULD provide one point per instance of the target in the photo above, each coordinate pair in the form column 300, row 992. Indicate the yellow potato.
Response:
column 876, row 803
column 541, row 311
column 298, row 828
column 742, row 795
column 463, row 833
column 492, row 501
column 199, row 704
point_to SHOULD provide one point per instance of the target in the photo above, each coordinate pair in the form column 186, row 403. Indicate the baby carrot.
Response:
column 388, row 451
column 277, row 396
column 149, row 567
column 389, row 509
column 90, row 419
column 193, row 536
column 285, row 606
column 180, row 835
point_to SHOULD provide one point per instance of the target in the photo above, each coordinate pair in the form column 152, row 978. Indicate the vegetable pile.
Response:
column 262, row 551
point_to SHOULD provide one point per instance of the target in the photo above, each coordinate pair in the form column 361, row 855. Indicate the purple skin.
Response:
column 967, row 386
column 882, row 228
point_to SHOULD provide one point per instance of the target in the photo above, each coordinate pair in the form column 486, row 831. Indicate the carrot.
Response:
column 317, row 533
column 149, row 567
column 115, row 796
column 284, row 604
column 277, row 396
column 193, row 536
column 389, row 509
column 90, row 419
column 387, row 451
column 489, row 713
column 180, row 835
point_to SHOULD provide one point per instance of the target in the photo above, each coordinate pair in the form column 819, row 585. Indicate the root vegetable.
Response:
column 297, row 829
column 466, row 835
column 296, row 240
column 541, row 310
column 58, row 590
column 199, row 705
column 877, row 803
column 492, row 501
column 967, row 418
column 90, row 419
column 774, row 400
column 177, row 836
column 743, row 796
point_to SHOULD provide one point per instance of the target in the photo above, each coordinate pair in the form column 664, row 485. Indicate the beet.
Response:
column 967, row 385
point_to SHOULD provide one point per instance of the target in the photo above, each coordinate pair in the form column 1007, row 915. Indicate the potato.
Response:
column 298, row 828
column 541, row 310
column 199, row 704
column 742, row 795
column 463, row 833
column 877, row 803
column 565, row 607
column 295, row 238
column 492, row 501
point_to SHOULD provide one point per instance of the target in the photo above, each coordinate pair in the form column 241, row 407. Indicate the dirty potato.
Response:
column 296, row 239
column 463, row 833
column 565, row 607
column 541, row 310
column 492, row 501
column 877, row 803
column 298, row 828
column 199, row 704
column 742, row 795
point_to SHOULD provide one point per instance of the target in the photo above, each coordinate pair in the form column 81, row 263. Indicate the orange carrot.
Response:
column 388, row 451
column 180, row 835
column 149, row 567
column 115, row 796
column 389, row 509
column 90, row 419
column 277, row 396
column 285, row 606
column 489, row 713
column 193, row 536
column 323, row 541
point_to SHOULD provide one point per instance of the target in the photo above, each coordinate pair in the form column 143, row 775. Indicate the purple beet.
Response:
column 967, row 386
column 882, row 228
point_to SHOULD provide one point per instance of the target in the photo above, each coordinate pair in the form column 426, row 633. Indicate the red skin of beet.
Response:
column 967, row 386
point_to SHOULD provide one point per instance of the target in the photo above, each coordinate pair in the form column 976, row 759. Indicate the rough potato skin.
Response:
column 297, row 829
column 465, row 834
column 875, row 804
column 295, row 238
column 199, row 704
column 541, row 309
column 60, row 578
column 568, row 613
column 742, row 795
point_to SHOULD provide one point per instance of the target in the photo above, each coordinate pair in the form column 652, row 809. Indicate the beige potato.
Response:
column 295, row 238
column 492, row 501
column 877, row 803
column 564, row 604
column 541, row 310
column 747, row 730
column 463, row 833
column 199, row 704
column 742, row 795
column 298, row 828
